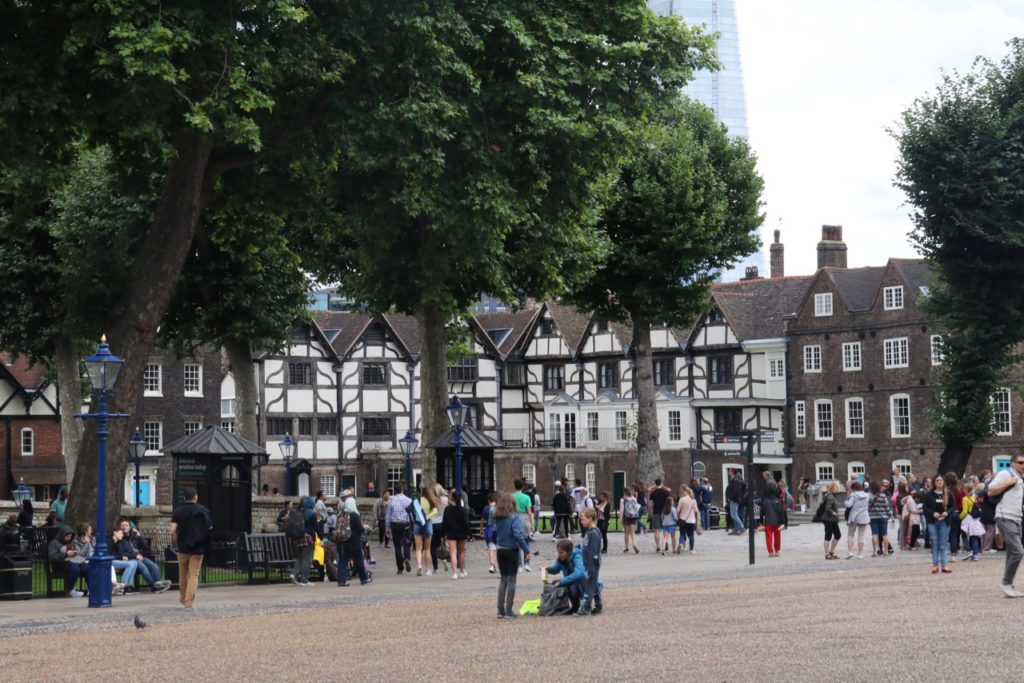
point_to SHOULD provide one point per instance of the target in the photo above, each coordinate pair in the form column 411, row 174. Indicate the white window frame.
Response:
column 593, row 426
column 800, row 418
column 555, row 428
column 820, row 468
column 850, row 433
column 776, row 369
column 27, row 432
column 996, row 400
column 193, row 393
column 893, row 416
column 529, row 473
column 851, row 474
column 329, row 485
column 904, row 466
column 852, row 358
column 570, row 475
column 892, row 298
column 228, row 406
column 198, row 427
column 675, row 425
column 159, row 436
column 228, row 424
column 897, row 352
column 818, row 431
column 159, row 391
column 823, row 304
column 812, row 358
column 936, row 347
column 621, row 426
column 590, row 479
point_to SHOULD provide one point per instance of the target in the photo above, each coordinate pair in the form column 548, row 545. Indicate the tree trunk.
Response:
column 135, row 316
column 954, row 458
column 246, row 395
column 433, row 384
column 69, row 391
column 648, row 448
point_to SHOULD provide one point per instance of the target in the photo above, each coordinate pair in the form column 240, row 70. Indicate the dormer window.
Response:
column 374, row 334
column 547, row 327
column 601, row 326
column 823, row 304
column 892, row 298
column 715, row 316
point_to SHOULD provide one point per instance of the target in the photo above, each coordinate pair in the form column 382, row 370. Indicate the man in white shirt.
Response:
column 1008, row 518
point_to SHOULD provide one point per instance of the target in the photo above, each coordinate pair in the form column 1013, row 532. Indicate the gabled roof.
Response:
column 21, row 371
column 917, row 273
column 572, row 323
column 406, row 329
column 857, row 286
column 755, row 309
column 516, row 321
column 343, row 328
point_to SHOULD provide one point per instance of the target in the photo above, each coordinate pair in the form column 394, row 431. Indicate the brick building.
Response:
column 30, row 436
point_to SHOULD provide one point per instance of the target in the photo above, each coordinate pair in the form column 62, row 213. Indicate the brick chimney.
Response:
column 777, row 257
column 751, row 273
column 831, row 248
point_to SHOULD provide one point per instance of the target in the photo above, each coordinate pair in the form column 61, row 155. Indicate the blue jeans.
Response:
column 705, row 517
column 149, row 570
column 938, row 533
column 640, row 526
column 737, row 518
column 129, row 567
column 687, row 534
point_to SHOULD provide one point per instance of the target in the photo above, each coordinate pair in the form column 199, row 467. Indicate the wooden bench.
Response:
column 268, row 551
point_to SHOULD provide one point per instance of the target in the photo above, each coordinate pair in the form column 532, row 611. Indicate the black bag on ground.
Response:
column 554, row 601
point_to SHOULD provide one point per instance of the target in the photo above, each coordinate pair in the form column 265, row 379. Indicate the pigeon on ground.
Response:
column 139, row 623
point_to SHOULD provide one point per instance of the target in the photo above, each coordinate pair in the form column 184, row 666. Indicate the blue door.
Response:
column 1002, row 462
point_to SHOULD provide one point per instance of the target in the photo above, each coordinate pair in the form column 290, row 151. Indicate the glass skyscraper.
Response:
column 721, row 90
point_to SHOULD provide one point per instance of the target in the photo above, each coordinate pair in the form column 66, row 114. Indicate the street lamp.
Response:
column 137, row 452
column 22, row 493
column 408, row 445
column 457, row 417
column 287, row 447
column 102, row 369
column 693, row 454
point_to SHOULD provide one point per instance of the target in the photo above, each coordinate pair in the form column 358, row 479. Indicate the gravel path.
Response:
column 796, row 618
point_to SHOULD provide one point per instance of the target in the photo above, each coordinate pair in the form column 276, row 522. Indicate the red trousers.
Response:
column 773, row 537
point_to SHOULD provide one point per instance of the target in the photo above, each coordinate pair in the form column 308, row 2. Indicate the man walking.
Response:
column 524, row 508
column 396, row 521
column 190, row 530
column 1008, row 518
column 657, row 497
column 735, row 493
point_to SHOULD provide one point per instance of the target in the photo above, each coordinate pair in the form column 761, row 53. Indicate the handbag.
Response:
column 700, row 527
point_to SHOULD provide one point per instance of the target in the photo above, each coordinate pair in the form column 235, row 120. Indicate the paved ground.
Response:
column 796, row 617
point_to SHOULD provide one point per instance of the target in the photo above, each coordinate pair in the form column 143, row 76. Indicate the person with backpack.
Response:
column 772, row 513
column 702, row 494
column 629, row 513
column 190, row 531
column 828, row 514
column 348, row 537
column 1008, row 487
column 301, row 527
column 640, row 489
column 879, row 512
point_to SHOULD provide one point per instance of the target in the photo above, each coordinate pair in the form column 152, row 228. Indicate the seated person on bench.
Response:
column 125, row 548
column 64, row 557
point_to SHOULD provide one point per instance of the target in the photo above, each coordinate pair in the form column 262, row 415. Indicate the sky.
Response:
column 824, row 79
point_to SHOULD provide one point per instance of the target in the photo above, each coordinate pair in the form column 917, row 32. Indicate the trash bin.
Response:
column 15, row 577
column 171, row 565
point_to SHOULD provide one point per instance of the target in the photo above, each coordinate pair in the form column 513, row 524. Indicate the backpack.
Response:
column 343, row 529
column 988, row 504
column 631, row 508
column 819, row 514
column 294, row 526
column 198, row 529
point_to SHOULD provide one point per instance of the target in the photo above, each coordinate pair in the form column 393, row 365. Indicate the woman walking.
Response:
column 350, row 550
column 670, row 526
column 858, row 520
column 687, row 511
column 604, row 517
column 423, row 529
column 938, row 504
column 437, row 539
column 830, row 517
column 641, row 498
column 457, row 531
column 879, row 512
column 773, row 514
column 629, row 513
column 304, row 546
column 953, row 486
column 510, row 541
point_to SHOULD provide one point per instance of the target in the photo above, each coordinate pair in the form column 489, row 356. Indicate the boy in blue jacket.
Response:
column 591, row 602
column 570, row 565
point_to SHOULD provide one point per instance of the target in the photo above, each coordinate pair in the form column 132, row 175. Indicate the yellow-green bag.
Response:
column 530, row 607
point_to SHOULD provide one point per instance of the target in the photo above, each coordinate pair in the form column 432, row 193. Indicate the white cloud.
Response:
column 823, row 81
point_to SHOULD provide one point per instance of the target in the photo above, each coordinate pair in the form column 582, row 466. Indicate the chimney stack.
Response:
column 831, row 248
column 777, row 257
column 751, row 273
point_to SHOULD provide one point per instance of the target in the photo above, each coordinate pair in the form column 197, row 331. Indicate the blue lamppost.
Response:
column 457, row 417
column 102, row 369
column 408, row 445
column 136, row 454
column 288, row 453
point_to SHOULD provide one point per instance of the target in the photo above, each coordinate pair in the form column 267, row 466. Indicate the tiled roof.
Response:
column 28, row 376
column 755, row 308
column 213, row 440
column 518, row 322
column 571, row 322
column 917, row 273
column 342, row 328
column 407, row 330
column 857, row 286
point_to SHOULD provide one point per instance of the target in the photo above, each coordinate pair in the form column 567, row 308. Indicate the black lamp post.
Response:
column 136, row 453
column 102, row 369
column 457, row 417
column 408, row 445
column 287, row 447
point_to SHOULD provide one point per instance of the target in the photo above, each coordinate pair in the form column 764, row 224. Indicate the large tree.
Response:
column 482, row 164
column 961, row 163
column 686, row 206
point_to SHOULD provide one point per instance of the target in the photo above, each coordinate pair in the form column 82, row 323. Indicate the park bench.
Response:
column 268, row 551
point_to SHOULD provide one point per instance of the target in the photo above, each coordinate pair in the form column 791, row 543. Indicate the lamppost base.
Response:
column 100, row 586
